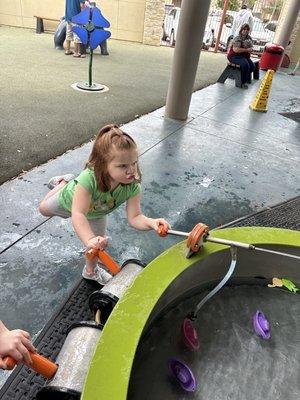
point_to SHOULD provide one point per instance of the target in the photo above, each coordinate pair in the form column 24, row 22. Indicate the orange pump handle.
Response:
column 105, row 258
column 40, row 364
column 162, row 230
column 195, row 236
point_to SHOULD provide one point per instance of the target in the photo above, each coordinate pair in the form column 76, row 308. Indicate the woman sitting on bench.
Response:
column 239, row 53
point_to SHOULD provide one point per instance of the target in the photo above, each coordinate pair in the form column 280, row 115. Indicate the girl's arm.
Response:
column 138, row 220
column 80, row 207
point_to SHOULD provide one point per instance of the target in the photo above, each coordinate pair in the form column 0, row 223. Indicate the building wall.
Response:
column 126, row 16
column 154, row 16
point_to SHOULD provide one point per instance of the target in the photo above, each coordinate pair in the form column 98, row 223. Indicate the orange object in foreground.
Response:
column 105, row 258
column 40, row 364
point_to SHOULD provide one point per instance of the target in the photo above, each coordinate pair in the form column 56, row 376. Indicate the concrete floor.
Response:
column 224, row 162
column 42, row 116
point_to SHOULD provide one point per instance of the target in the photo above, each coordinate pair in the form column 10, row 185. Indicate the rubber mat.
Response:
column 24, row 384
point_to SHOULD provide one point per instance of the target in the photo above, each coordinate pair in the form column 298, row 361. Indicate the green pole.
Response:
column 90, row 68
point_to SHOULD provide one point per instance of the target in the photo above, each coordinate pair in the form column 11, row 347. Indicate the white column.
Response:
column 188, row 46
column 287, row 20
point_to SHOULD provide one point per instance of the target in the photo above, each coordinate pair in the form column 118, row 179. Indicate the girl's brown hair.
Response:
column 109, row 137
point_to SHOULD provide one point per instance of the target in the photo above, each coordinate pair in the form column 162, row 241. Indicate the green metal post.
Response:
column 90, row 68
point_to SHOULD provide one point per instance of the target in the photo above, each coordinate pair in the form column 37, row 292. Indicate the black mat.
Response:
column 24, row 383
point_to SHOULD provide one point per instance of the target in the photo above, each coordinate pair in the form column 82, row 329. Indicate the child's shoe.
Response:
column 100, row 275
column 55, row 180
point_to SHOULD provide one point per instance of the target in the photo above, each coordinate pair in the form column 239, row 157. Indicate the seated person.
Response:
column 15, row 343
column 239, row 53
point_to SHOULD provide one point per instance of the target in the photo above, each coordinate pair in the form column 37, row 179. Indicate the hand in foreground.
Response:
column 17, row 344
column 98, row 242
column 155, row 222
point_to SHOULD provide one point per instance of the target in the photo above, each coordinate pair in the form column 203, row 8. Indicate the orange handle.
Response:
column 40, row 364
column 105, row 258
column 162, row 230
column 195, row 236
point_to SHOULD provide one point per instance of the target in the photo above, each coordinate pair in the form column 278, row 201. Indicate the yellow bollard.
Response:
column 261, row 99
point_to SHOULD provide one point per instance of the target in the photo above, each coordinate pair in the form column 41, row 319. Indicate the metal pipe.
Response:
column 248, row 247
column 277, row 252
column 233, row 243
column 225, row 7
column 178, row 233
column 229, row 243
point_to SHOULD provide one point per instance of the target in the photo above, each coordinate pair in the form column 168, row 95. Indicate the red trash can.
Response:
column 271, row 57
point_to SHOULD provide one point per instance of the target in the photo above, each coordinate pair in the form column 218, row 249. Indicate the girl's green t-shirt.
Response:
column 102, row 203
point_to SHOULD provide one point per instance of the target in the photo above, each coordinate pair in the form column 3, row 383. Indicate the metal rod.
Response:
column 240, row 245
column 248, row 247
column 229, row 243
column 178, row 233
column 277, row 252
column 225, row 7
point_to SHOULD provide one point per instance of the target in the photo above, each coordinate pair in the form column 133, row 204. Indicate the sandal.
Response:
column 82, row 55
column 55, row 180
column 76, row 55
column 100, row 275
column 68, row 52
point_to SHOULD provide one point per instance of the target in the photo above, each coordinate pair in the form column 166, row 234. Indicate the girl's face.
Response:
column 123, row 167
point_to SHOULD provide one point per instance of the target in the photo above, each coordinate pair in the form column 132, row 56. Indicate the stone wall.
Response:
column 154, row 15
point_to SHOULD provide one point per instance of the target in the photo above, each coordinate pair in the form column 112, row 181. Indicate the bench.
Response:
column 233, row 71
column 40, row 23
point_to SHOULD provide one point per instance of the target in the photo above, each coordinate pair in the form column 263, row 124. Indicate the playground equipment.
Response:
column 90, row 357
column 150, row 339
column 102, row 302
column 40, row 364
column 261, row 99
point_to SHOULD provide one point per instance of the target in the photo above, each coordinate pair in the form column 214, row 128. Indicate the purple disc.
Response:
column 183, row 374
column 261, row 325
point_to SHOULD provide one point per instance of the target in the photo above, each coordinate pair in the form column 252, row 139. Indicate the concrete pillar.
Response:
column 188, row 46
column 287, row 21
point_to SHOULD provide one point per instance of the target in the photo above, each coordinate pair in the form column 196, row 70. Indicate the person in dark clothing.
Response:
column 239, row 53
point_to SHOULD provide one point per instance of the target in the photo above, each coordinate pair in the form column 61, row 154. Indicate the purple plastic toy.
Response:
column 183, row 375
column 261, row 325
column 189, row 335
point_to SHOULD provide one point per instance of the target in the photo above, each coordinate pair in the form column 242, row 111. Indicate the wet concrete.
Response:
column 225, row 161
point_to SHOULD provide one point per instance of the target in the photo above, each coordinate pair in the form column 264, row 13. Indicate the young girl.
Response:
column 111, row 177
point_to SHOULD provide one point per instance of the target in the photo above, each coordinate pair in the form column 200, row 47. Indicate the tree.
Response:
column 234, row 5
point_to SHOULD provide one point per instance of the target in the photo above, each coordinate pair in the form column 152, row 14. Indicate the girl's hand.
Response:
column 155, row 222
column 98, row 242
column 17, row 344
